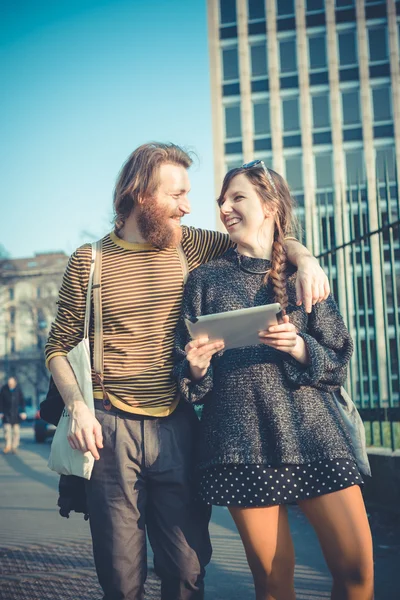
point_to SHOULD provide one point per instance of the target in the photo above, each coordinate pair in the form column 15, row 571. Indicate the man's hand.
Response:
column 84, row 431
column 22, row 416
column 312, row 285
column 199, row 353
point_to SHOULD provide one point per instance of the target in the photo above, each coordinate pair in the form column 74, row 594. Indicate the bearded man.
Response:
column 141, row 436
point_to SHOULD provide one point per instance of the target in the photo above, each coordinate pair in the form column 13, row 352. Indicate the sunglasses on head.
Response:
column 261, row 163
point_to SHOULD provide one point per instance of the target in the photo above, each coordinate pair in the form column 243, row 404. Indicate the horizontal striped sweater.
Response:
column 141, row 289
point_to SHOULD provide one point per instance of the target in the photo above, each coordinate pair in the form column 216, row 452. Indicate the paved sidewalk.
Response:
column 46, row 557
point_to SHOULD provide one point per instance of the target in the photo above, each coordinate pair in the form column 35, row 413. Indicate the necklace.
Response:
column 245, row 269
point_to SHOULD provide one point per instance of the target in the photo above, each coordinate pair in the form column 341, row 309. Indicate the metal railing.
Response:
column 364, row 273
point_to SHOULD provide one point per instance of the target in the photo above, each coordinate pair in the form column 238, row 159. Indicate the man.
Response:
column 142, row 438
column 12, row 409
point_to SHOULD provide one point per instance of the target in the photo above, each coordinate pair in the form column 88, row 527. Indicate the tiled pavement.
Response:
column 46, row 557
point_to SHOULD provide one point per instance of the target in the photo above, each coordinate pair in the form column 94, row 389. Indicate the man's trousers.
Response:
column 11, row 435
column 144, row 482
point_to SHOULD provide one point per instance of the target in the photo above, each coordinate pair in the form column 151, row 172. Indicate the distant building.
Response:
column 28, row 294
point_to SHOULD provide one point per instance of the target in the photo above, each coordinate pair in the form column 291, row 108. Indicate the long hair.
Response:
column 282, row 204
column 139, row 176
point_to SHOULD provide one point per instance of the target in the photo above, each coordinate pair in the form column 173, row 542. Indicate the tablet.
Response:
column 237, row 328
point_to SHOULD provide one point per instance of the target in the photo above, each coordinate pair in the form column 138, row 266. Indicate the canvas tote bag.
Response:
column 64, row 459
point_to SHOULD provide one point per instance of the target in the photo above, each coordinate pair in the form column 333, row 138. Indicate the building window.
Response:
column 294, row 173
column 355, row 167
column 12, row 316
column 317, row 52
column 256, row 9
column 290, row 109
column 233, row 125
column 315, row 5
column 259, row 60
column 11, row 293
column 381, row 104
column 230, row 64
column 287, row 52
column 262, row 125
column 323, row 169
column 347, row 48
column 385, row 163
column 234, row 164
column 227, row 11
column 344, row 3
column 378, row 50
column 351, row 107
column 321, row 112
column 285, row 8
column 12, row 345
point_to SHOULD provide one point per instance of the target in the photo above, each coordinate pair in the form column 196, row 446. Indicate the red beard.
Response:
column 155, row 225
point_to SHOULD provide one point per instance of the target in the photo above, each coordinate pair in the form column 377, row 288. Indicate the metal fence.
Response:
column 364, row 273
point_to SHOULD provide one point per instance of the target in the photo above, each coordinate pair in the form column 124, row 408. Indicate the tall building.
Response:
column 28, row 293
column 312, row 87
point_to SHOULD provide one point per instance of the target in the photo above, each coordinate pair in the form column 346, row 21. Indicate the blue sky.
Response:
column 83, row 83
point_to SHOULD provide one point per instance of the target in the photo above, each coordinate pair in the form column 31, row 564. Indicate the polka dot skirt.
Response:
column 260, row 485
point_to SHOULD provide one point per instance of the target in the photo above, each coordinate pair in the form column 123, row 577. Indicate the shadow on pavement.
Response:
column 18, row 465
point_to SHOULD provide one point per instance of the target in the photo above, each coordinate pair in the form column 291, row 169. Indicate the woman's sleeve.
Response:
column 191, row 391
column 329, row 347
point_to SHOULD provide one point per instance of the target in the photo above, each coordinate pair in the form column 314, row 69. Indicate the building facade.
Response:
column 312, row 87
column 28, row 294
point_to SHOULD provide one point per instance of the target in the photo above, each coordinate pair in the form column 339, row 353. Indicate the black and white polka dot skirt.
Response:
column 261, row 485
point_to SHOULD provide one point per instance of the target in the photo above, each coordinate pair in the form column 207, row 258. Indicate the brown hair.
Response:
column 139, row 176
column 282, row 203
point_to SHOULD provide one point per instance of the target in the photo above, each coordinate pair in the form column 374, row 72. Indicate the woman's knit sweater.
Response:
column 261, row 406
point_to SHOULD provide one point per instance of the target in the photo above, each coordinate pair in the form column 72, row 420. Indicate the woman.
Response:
column 270, row 433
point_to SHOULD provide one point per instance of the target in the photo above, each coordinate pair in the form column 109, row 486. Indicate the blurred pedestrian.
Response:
column 12, row 410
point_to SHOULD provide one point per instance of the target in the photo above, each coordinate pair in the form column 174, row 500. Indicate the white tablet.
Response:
column 237, row 328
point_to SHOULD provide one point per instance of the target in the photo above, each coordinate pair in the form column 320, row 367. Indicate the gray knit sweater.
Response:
column 260, row 405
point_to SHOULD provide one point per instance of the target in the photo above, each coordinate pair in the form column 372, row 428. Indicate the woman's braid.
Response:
column 278, row 268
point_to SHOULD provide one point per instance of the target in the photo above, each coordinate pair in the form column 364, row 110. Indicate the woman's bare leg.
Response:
column 341, row 523
column 269, row 549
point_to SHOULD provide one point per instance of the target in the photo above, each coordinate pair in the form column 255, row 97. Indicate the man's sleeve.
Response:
column 202, row 245
column 67, row 330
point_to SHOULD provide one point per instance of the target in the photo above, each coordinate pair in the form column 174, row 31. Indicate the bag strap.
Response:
column 98, row 314
column 98, row 350
column 184, row 262
column 89, row 293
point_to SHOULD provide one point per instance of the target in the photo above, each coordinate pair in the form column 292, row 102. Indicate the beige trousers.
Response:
column 11, row 434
